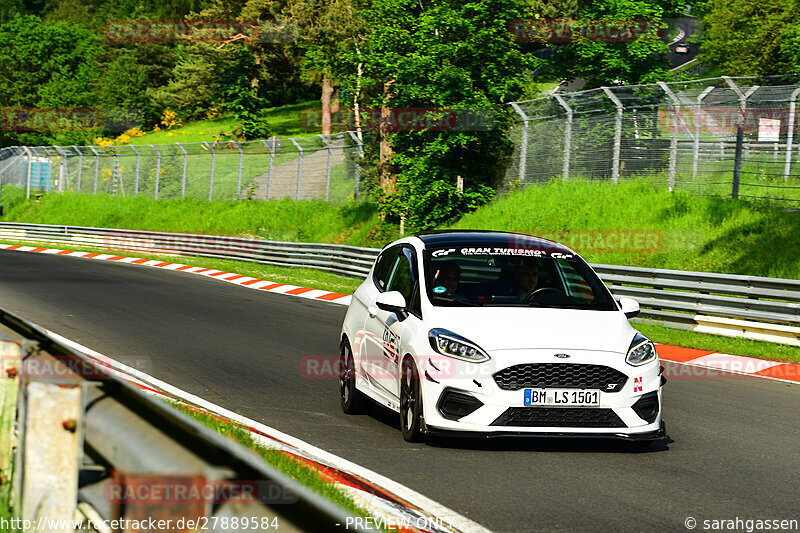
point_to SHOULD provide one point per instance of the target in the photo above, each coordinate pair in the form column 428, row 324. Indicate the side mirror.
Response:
column 629, row 306
column 393, row 302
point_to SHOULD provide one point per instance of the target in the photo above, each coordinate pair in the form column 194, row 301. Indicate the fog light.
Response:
column 454, row 404
column 647, row 407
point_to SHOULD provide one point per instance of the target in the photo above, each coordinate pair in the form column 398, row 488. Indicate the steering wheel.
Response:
column 532, row 296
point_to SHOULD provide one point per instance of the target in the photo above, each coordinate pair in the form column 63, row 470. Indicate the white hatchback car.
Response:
column 497, row 334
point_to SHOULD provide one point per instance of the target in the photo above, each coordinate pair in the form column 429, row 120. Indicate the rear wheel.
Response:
column 349, row 397
column 411, row 421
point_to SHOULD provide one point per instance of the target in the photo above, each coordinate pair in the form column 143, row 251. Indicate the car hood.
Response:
column 537, row 328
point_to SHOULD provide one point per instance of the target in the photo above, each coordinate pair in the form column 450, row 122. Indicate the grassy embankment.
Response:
column 283, row 122
column 692, row 233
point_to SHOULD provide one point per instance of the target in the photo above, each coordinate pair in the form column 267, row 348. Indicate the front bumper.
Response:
column 658, row 434
column 503, row 413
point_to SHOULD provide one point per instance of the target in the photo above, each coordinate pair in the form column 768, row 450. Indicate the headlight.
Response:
column 641, row 351
column 448, row 343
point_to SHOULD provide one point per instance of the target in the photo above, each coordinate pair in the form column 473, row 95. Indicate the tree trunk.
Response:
column 254, row 81
column 386, row 174
column 327, row 92
column 335, row 103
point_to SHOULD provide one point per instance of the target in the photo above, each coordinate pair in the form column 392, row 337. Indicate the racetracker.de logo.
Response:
column 573, row 30
column 25, row 119
column 204, row 30
column 608, row 241
column 146, row 489
column 761, row 120
column 384, row 363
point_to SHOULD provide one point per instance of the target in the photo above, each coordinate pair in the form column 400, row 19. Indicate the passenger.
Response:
column 448, row 276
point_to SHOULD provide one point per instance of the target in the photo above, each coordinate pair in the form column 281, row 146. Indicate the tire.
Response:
column 411, row 422
column 350, row 398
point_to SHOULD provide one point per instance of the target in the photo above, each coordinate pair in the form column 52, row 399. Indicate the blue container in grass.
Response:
column 41, row 173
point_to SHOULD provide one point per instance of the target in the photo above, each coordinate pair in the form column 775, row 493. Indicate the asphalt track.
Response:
column 735, row 442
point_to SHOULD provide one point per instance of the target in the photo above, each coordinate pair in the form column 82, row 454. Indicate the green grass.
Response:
column 280, row 220
column 697, row 233
column 718, row 343
column 209, row 130
column 8, row 393
column 284, row 121
column 286, row 464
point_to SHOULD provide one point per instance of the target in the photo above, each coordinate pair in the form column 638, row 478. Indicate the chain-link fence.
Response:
column 320, row 167
column 718, row 136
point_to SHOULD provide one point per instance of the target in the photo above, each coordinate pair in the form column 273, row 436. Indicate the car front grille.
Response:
column 560, row 376
column 580, row 417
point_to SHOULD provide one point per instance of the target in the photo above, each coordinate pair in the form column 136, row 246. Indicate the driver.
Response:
column 527, row 278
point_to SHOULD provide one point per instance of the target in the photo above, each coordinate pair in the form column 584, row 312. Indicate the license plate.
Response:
column 561, row 397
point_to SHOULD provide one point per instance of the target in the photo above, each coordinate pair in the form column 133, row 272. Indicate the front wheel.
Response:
column 349, row 397
column 411, row 421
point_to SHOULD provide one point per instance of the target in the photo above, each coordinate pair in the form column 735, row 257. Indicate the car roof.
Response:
column 486, row 238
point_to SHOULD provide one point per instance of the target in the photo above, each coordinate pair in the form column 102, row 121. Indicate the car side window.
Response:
column 403, row 279
column 383, row 267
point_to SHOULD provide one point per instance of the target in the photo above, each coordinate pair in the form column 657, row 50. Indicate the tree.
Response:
column 751, row 38
column 329, row 32
column 46, row 66
column 641, row 60
column 441, row 55
column 243, row 73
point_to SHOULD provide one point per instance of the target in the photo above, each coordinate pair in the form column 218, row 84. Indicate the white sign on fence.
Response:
column 769, row 129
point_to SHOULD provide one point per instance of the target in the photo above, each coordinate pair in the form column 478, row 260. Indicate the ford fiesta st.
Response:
column 497, row 334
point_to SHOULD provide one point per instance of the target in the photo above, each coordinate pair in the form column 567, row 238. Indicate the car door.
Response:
column 384, row 330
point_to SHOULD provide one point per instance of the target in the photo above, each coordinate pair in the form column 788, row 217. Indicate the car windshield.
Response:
column 548, row 280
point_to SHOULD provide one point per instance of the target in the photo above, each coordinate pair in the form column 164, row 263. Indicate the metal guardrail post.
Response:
column 239, row 174
column 299, row 167
column 10, row 357
column 211, row 177
column 567, row 136
column 96, row 167
column 183, row 173
column 523, row 148
column 696, row 154
column 80, row 168
column 673, row 147
column 51, row 440
column 617, row 133
column 737, row 159
column 158, row 170
column 327, row 144
column 790, row 134
column 360, row 150
column 136, row 171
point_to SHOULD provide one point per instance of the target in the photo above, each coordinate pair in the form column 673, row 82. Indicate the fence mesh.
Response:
column 321, row 167
column 690, row 135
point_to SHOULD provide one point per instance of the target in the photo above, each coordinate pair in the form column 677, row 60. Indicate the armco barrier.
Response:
column 747, row 305
column 92, row 442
